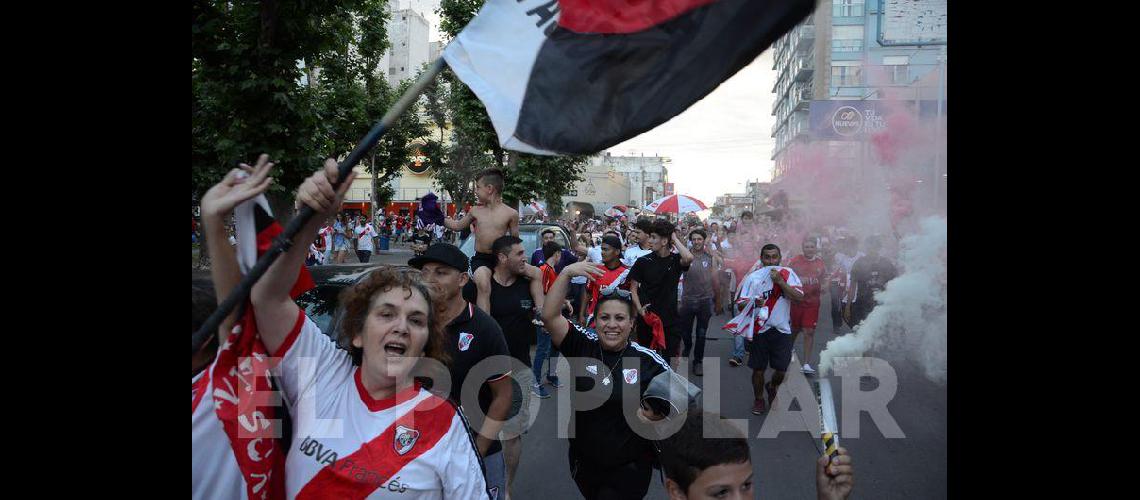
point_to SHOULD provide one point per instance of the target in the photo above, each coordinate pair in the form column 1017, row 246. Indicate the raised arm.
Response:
column 238, row 186
column 682, row 250
column 555, row 324
column 461, row 224
column 274, row 309
column 535, row 275
column 581, row 304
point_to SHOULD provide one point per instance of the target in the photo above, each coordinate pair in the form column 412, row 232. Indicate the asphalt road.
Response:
column 910, row 467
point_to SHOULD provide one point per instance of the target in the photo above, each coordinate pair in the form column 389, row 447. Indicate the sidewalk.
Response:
column 396, row 254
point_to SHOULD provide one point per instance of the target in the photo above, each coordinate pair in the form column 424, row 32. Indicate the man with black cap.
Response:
column 472, row 337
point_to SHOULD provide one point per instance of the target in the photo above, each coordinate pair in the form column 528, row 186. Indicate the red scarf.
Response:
column 242, row 391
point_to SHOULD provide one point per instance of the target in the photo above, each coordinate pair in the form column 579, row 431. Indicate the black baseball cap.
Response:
column 443, row 253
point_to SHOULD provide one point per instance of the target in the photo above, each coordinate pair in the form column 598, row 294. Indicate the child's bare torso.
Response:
column 491, row 223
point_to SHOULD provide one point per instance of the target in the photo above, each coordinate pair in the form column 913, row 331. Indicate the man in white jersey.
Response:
column 766, row 322
column 639, row 242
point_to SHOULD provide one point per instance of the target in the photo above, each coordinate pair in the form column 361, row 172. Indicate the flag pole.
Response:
column 285, row 240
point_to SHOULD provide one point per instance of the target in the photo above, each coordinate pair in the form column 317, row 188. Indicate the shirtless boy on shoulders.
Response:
column 489, row 220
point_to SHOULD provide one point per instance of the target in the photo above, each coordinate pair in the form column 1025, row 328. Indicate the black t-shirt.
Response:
column 472, row 337
column 513, row 308
column 603, row 435
column 871, row 275
column 658, row 277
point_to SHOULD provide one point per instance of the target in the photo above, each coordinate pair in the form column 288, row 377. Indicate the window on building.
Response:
column 401, row 68
column 391, row 71
column 846, row 73
column 847, row 38
column 848, row 8
column 898, row 69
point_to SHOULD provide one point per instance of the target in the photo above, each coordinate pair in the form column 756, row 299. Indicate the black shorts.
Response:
column 481, row 259
column 770, row 348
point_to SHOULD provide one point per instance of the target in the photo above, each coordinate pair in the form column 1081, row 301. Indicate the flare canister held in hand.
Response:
column 829, row 431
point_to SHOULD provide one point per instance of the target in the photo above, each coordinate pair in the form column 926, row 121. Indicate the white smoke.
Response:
column 910, row 313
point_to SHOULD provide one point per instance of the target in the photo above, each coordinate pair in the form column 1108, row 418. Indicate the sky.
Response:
column 726, row 133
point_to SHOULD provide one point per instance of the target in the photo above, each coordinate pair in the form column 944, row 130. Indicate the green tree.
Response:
column 296, row 80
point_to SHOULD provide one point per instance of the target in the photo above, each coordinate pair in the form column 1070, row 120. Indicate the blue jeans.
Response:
column 541, row 350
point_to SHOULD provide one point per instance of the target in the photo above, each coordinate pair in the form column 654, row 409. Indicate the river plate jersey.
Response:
column 348, row 445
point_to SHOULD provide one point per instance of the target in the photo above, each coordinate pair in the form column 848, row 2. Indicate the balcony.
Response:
column 803, row 97
column 800, row 97
column 805, row 67
column 776, row 106
column 804, row 37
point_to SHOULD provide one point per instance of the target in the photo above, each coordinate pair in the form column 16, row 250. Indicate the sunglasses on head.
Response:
column 623, row 294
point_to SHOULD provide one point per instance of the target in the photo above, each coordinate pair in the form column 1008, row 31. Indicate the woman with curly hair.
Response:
column 363, row 427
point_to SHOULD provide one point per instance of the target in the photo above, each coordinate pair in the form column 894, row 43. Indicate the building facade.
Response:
column 854, row 50
column 646, row 175
column 601, row 187
column 434, row 50
column 408, row 33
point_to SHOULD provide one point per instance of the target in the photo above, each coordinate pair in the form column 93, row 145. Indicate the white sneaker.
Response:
column 807, row 368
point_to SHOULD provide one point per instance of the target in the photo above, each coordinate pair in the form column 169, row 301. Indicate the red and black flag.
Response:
column 578, row 76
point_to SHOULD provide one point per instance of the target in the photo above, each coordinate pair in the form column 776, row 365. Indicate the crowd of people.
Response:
column 624, row 303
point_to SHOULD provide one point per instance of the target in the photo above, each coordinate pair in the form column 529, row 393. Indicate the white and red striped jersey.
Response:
column 348, row 445
column 765, row 305
column 215, row 472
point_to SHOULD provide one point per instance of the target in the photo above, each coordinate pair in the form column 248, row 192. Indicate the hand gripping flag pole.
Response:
column 285, row 240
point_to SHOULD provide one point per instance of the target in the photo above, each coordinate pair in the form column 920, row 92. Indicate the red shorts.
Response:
column 804, row 315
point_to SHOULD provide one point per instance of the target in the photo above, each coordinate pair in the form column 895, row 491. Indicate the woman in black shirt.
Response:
column 609, row 457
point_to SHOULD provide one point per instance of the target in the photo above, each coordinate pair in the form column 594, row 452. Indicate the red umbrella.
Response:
column 676, row 204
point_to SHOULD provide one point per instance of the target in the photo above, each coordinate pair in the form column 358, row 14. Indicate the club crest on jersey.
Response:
column 405, row 439
column 592, row 369
column 630, row 375
column 465, row 340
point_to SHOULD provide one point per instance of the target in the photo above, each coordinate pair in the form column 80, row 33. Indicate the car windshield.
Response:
column 320, row 304
column 528, row 238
